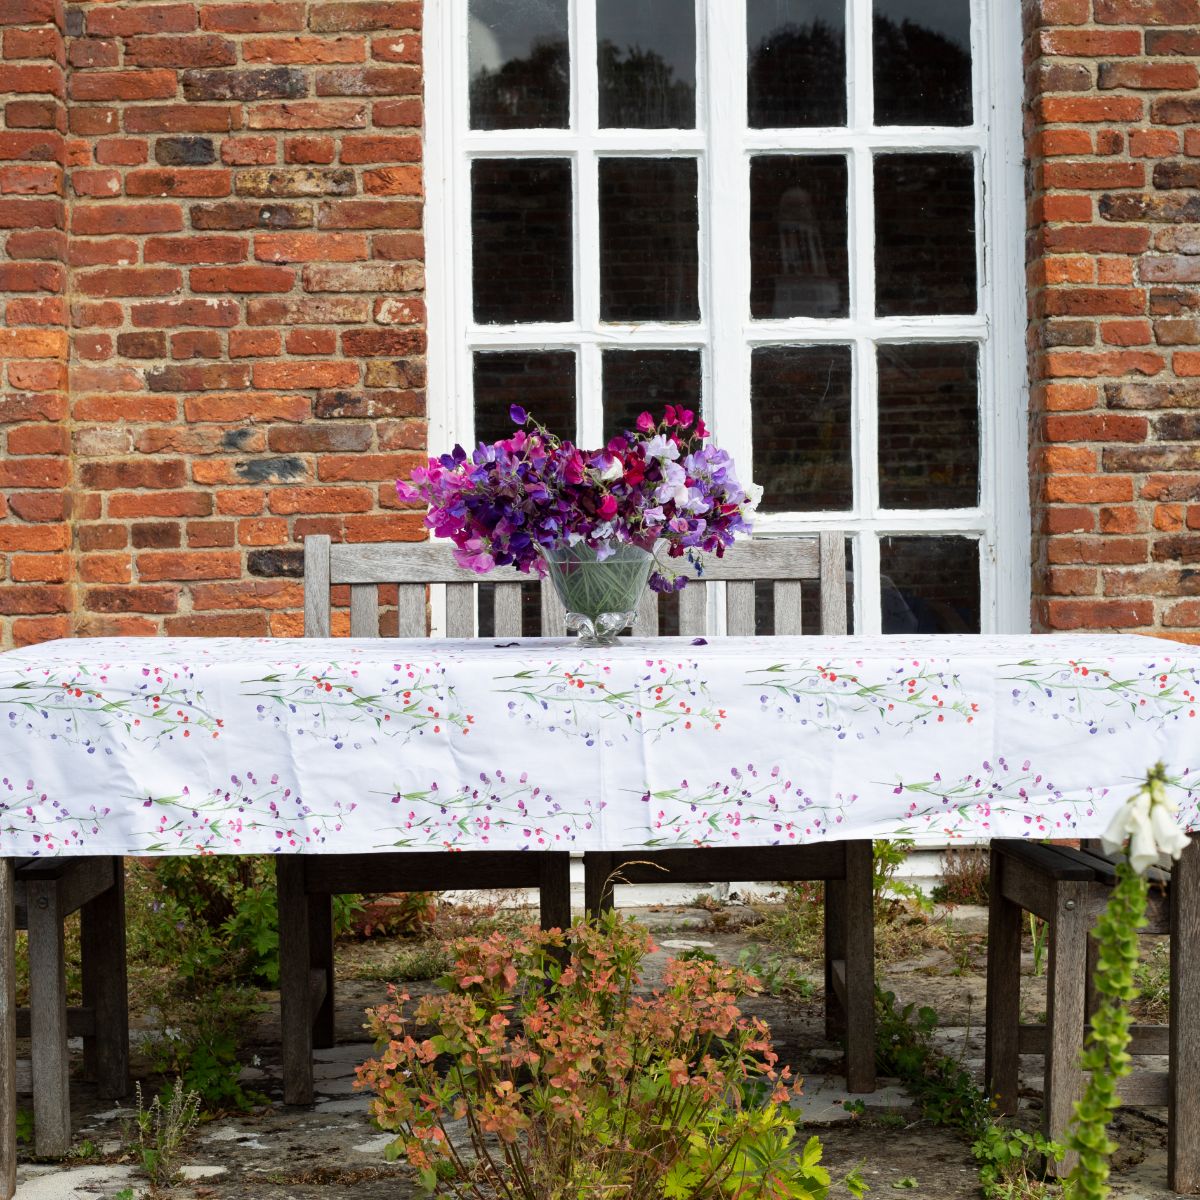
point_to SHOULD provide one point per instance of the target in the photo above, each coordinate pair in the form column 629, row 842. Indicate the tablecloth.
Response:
column 197, row 745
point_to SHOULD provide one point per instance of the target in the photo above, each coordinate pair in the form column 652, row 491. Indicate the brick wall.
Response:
column 219, row 204
column 1113, row 141
column 35, row 472
column 243, row 232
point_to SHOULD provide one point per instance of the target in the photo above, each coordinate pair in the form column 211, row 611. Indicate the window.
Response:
column 802, row 216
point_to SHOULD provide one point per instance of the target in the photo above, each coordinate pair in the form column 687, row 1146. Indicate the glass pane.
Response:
column 521, row 239
column 637, row 381
column 649, row 221
column 800, row 413
column 922, row 62
column 929, row 584
column 797, row 68
column 520, row 64
column 799, row 264
column 929, row 426
column 541, row 381
column 924, row 234
column 646, row 61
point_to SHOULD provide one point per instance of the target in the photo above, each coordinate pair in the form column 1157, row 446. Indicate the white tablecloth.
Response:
column 190, row 745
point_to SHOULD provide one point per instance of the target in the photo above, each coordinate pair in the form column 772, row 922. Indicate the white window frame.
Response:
column 723, row 142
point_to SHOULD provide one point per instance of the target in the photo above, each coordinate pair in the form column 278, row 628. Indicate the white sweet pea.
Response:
column 754, row 495
column 613, row 471
column 1147, row 820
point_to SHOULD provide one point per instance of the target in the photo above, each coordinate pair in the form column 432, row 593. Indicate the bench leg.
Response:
column 555, row 890
column 106, row 987
column 48, row 1017
column 1002, row 1058
column 835, row 949
column 320, row 932
column 295, row 1010
column 8, row 1030
column 1183, row 1129
column 1066, row 1000
column 860, row 969
column 598, row 866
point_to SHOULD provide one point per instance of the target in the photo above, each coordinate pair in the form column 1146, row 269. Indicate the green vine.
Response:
column 1106, row 1054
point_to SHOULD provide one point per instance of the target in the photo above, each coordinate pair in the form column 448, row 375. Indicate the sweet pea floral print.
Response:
column 214, row 746
column 581, row 700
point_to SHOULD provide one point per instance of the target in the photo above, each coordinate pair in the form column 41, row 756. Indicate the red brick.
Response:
column 155, row 566
column 311, row 150
column 306, row 374
column 184, row 181
column 381, row 14
column 1088, row 109
column 1147, row 12
column 160, row 504
column 98, row 219
column 1098, row 614
column 129, row 281
column 267, row 531
column 305, row 50
column 242, row 279
column 205, row 535
column 205, row 50
column 249, row 151
column 1087, row 489
column 307, row 114
column 193, row 249
column 38, row 439
column 253, row 17
column 121, row 152
column 181, row 118
column 310, row 247
column 142, row 84
column 251, row 593
column 239, row 407
column 254, row 343
column 1158, row 77
column 216, row 313
column 285, row 501
column 196, row 343
column 311, row 341
column 27, row 12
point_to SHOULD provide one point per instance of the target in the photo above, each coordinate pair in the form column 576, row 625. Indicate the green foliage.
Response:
column 776, row 975
column 1153, row 976
column 25, row 1126
column 161, row 1129
column 948, row 1096
column 890, row 891
column 126, row 1193
column 1039, row 934
column 573, row 1084
column 1106, row 1054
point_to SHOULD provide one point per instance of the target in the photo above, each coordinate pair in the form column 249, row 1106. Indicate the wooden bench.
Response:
column 48, row 890
column 1068, row 888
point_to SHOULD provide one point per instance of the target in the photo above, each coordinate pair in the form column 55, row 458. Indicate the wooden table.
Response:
column 185, row 746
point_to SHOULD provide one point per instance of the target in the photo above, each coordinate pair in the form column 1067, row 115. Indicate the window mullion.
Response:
column 727, row 221
column 589, row 415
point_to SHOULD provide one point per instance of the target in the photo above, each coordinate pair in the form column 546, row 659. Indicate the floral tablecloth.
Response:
column 189, row 745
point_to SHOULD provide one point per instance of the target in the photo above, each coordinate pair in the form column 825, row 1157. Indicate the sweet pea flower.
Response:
column 1147, row 820
column 645, row 422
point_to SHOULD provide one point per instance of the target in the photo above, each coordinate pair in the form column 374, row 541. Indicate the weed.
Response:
column 126, row 1193
column 948, row 1096
column 777, row 976
column 964, row 876
column 162, row 1129
column 428, row 960
column 1039, row 934
column 25, row 1126
column 1153, row 980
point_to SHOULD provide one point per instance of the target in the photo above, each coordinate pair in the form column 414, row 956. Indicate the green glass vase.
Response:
column 600, row 595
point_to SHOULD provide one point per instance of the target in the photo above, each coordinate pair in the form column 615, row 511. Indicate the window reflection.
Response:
column 520, row 64
column 929, row 584
column 922, row 62
column 797, row 70
column 798, row 250
column 646, row 61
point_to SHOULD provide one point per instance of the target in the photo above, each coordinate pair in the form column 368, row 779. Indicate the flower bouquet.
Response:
column 591, row 519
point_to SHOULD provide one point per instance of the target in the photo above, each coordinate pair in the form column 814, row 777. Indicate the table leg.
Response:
column 1066, row 990
column 860, row 969
column 1183, row 1129
column 1002, row 1063
column 8, row 1030
column 295, row 992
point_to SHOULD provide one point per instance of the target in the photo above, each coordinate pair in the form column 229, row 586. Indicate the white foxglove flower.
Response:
column 1147, row 819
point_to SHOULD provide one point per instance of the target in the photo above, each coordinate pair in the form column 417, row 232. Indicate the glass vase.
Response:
column 600, row 595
